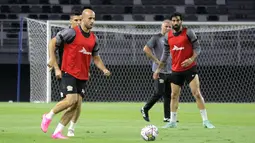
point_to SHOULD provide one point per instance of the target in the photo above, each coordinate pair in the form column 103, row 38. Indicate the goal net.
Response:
column 226, row 64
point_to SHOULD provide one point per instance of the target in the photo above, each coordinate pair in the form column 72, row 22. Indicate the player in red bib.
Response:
column 184, row 48
column 80, row 45
column 75, row 19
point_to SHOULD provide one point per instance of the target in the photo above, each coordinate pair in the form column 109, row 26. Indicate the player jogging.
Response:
column 184, row 47
column 75, row 19
column 80, row 44
column 154, row 49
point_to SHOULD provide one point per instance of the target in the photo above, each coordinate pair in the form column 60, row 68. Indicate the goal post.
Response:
column 226, row 63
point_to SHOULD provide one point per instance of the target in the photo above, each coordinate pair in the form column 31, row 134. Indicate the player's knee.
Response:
column 174, row 95
column 196, row 94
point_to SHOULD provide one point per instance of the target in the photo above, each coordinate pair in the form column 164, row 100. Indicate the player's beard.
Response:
column 176, row 27
column 89, row 26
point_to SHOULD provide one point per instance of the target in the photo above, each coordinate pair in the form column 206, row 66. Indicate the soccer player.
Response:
column 184, row 47
column 80, row 44
column 75, row 19
column 154, row 49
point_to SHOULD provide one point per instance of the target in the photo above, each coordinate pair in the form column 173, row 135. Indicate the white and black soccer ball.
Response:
column 149, row 133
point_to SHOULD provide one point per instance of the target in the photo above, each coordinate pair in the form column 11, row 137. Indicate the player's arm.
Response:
column 98, row 61
column 196, row 48
column 148, row 50
column 52, row 55
column 164, row 57
column 166, row 54
column 195, row 44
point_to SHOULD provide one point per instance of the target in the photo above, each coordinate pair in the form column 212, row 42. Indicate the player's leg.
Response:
column 75, row 117
column 81, row 86
column 69, row 90
column 158, row 92
column 65, row 119
column 167, row 99
column 195, row 90
column 177, row 81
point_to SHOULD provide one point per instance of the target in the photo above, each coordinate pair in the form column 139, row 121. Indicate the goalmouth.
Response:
column 226, row 63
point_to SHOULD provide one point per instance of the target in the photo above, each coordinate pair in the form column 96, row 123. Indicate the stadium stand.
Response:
column 123, row 10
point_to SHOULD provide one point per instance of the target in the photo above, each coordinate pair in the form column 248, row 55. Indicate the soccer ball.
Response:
column 149, row 133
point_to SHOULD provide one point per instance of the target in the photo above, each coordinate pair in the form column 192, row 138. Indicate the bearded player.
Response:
column 184, row 47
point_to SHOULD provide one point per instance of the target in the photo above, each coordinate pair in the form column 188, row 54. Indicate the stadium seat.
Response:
column 12, row 16
column 54, row 17
column 64, row 2
column 205, row 2
column 12, row 1
column 138, row 17
column 35, row 9
column 201, row 10
column 3, row 16
column 5, row 9
column 118, row 17
column 46, row 9
column 77, row 7
column 33, row 16
column 169, row 10
column 15, row 9
column 4, row 2
column 25, row 9
column 22, row 1
column 65, row 17
column 122, row 2
column 44, row 17
column 118, row 10
column 212, row 10
column 190, row 10
column 190, row 18
column 138, row 9
column 43, row 1
column 173, row 2
column 107, row 17
column 222, row 9
column 159, row 17
column 212, row 18
column 148, row 10
column 32, row 1
column 96, row 2
column 128, row 10
column 56, row 9
column 75, row 2
column 12, row 35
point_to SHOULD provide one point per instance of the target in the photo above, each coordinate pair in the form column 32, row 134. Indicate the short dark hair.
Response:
column 75, row 12
column 176, row 14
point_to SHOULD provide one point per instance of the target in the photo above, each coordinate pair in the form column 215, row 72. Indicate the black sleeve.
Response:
column 95, row 51
column 65, row 36
column 194, row 41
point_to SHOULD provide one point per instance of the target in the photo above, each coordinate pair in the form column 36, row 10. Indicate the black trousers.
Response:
column 162, row 88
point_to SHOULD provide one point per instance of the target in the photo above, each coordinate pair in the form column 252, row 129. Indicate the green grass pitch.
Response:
column 122, row 123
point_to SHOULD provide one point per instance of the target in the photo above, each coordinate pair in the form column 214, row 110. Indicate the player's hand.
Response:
column 155, row 75
column 187, row 62
column 58, row 73
column 106, row 72
column 50, row 64
column 158, row 62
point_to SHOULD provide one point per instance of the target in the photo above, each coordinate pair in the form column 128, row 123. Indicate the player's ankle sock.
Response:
column 72, row 125
column 173, row 117
column 50, row 115
column 59, row 128
column 203, row 114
